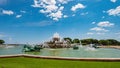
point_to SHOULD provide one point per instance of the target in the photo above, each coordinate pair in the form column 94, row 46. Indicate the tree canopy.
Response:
column 2, row 41
column 94, row 41
column 68, row 39
column 76, row 41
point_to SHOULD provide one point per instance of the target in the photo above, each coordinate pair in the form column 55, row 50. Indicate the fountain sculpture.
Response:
column 56, row 42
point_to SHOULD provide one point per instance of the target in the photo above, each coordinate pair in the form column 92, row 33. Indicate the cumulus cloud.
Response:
column 105, row 24
column 113, row 1
column 8, row 12
column 99, row 29
column 77, row 6
column 56, row 15
column 52, row 8
column 114, row 12
column 18, row 16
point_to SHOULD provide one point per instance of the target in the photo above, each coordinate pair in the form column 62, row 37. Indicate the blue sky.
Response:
column 35, row 21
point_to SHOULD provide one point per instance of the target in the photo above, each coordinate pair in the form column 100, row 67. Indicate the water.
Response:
column 82, row 52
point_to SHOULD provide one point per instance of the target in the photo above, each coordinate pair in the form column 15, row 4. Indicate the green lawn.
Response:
column 21, row 62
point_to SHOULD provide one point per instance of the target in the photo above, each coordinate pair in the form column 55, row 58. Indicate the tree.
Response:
column 2, row 41
column 119, row 43
column 103, row 42
column 89, row 41
column 76, row 41
column 68, row 39
column 109, row 42
column 112, row 42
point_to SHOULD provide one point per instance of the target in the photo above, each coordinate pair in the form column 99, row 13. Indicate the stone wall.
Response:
column 62, row 58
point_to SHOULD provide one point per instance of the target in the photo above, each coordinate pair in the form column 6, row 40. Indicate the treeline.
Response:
column 93, row 41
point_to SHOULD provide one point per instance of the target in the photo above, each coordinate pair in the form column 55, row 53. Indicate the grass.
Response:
column 21, row 62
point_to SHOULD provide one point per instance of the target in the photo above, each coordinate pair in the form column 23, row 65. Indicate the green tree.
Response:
column 89, row 41
column 112, row 42
column 68, row 39
column 76, row 41
column 2, row 41
column 103, row 42
column 119, row 43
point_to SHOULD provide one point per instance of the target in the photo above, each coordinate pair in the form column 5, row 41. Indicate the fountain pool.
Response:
column 82, row 52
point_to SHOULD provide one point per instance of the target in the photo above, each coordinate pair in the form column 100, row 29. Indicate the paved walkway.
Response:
column 116, row 47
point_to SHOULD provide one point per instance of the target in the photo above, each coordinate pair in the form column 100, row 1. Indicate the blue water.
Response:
column 82, row 52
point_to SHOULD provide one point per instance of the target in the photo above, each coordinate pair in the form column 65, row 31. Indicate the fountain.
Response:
column 56, row 42
column 30, row 48
column 90, row 47
column 81, row 44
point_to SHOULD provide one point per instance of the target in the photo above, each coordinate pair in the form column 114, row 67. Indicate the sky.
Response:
column 35, row 21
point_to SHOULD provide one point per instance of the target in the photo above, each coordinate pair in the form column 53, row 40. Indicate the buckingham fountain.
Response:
column 57, row 42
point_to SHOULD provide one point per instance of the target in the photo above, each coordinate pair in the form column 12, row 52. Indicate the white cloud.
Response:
column 99, row 29
column 51, row 8
column 36, row 3
column 7, row 12
column 104, row 11
column 61, row 8
column 84, row 13
column 73, row 15
column 22, row 11
column 77, row 6
column 113, row 1
column 65, row 16
column 56, row 15
column 93, row 22
column 114, row 12
column 95, row 33
column 105, row 24
column 63, row 1
column 100, row 33
column 18, row 16
column 90, row 33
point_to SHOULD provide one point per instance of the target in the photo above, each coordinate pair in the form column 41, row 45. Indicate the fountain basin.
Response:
column 82, row 52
